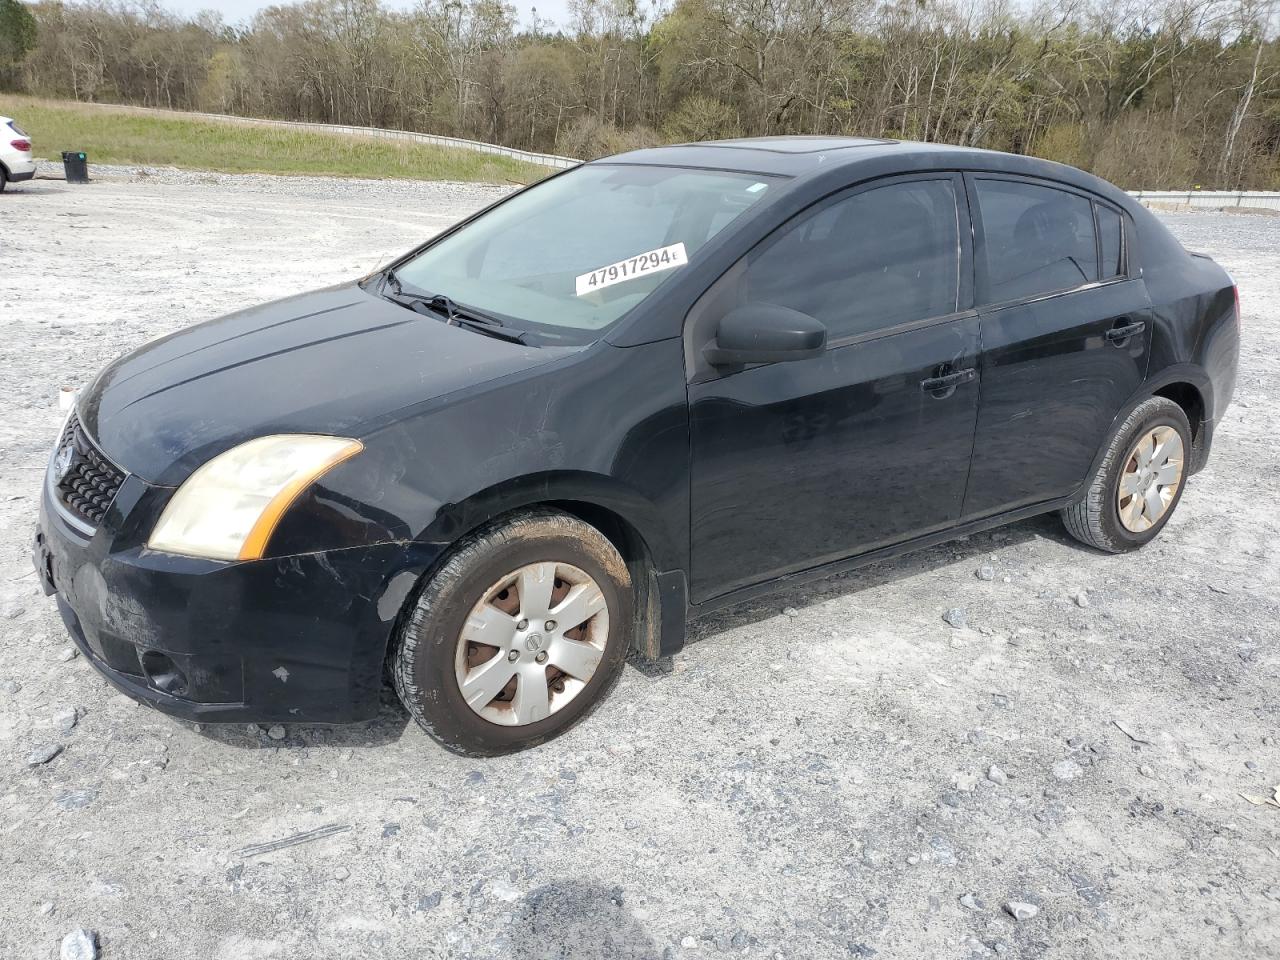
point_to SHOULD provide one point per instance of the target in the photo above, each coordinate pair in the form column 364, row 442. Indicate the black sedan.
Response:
column 644, row 388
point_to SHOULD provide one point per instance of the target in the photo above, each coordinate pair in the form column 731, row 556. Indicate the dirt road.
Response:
column 833, row 772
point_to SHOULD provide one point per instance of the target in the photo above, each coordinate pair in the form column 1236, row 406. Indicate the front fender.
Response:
column 570, row 488
column 609, row 429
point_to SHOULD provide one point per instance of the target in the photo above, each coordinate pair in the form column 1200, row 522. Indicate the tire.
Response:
column 1096, row 519
column 433, row 659
column 4, row 178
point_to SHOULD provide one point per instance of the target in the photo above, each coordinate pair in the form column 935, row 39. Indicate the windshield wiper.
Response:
column 455, row 314
column 490, row 328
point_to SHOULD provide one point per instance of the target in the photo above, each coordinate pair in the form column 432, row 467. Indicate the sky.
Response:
column 234, row 11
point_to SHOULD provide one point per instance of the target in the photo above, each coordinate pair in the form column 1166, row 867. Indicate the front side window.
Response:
column 1038, row 240
column 567, row 258
column 885, row 256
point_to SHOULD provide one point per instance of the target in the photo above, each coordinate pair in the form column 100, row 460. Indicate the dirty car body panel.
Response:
column 717, row 482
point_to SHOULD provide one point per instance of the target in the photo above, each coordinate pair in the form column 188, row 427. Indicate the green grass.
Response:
column 118, row 135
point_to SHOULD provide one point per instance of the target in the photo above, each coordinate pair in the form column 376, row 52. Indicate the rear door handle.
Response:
column 948, row 381
column 1119, row 334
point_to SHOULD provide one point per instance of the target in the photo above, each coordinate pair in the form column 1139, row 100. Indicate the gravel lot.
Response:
column 833, row 772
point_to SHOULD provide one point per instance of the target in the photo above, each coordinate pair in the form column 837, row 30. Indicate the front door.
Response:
column 1066, row 331
column 801, row 463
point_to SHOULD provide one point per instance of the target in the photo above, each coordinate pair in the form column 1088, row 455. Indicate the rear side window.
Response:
column 885, row 256
column 1038, row 240
column 1111, row 241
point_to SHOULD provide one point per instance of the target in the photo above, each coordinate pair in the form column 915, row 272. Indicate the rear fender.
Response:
column 1178, row 373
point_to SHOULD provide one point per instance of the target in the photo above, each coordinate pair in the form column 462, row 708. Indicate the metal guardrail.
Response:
column 477, row 146
column 1210, row 198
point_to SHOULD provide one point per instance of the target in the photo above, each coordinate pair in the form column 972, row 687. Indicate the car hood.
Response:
column 339, row 361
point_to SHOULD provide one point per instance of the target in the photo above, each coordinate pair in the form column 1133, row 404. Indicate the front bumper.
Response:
column 298, row 638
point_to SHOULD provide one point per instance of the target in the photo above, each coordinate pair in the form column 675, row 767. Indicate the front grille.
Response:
column 85, row 481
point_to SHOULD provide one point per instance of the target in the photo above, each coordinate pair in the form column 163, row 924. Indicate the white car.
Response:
column 16, row 164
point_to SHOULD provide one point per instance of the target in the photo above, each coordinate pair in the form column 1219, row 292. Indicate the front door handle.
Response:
column 947, row 382
column 1123, row 333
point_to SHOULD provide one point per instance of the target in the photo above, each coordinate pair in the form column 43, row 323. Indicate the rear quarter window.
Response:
column 1111, row 242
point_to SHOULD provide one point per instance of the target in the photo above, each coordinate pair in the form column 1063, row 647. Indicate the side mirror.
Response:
column 765, row 333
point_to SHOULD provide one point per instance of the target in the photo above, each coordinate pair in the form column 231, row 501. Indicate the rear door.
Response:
column 800, row 463
column 1066, row 333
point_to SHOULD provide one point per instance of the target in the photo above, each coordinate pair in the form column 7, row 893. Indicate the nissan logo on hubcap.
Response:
column 533, row 642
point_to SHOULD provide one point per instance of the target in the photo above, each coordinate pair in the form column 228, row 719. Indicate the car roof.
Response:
column 804, row 157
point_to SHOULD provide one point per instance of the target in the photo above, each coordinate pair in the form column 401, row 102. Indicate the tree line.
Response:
column 1147, row 93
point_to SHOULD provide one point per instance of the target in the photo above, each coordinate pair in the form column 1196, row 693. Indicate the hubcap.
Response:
column 532, row 643
column 1152, row 474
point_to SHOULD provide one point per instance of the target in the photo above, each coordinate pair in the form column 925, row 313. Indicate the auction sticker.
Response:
column 642, row 264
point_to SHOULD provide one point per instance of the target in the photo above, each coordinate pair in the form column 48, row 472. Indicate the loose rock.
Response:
column 1021, row 911
column 75, row 799
column 996, row 775
column 276, row 732
column 985, row 572
column 1081, row 599
column 65, row 720
column 69, row 654
column 956, row 618
column 79, row 944
column 1067, row 770
column 505, row 892
column 42, row 755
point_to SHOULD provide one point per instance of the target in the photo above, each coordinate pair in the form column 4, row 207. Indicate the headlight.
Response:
column 228, row 508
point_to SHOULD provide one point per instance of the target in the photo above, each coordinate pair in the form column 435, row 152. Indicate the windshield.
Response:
column 567, row 258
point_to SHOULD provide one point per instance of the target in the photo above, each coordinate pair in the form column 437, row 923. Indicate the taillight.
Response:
column 22, row 146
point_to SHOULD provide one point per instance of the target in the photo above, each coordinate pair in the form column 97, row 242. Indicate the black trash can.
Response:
column 76, row 164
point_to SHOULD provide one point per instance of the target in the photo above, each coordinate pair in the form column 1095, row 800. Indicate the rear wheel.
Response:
column 1139, row 482
column 4, row 178
column 518, row 636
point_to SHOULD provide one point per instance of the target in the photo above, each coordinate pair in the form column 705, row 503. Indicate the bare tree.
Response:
column 1148, row 92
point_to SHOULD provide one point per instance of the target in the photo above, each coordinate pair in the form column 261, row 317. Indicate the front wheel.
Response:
column 517, row 636
column 1139, row 482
